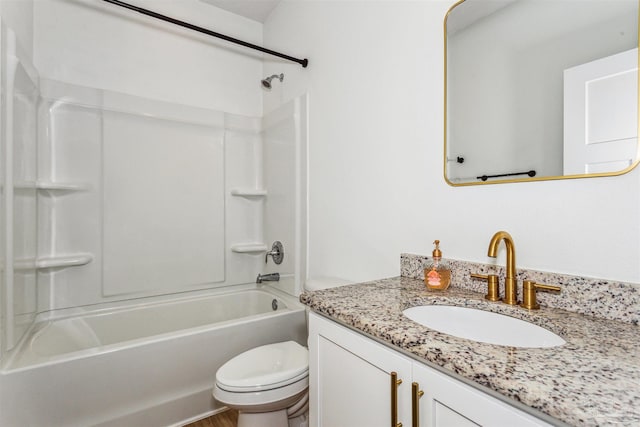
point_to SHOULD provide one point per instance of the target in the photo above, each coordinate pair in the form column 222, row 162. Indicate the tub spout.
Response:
column 273, row 277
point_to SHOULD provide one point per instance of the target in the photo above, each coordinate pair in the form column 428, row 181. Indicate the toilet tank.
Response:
column 317, row 283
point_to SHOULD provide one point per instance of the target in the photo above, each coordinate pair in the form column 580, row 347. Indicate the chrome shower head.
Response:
column 266, row 83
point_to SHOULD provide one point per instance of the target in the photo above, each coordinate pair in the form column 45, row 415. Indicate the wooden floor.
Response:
column 224, row 419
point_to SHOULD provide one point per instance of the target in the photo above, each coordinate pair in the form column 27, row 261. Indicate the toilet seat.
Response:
column 264, row 368
column 263, row 401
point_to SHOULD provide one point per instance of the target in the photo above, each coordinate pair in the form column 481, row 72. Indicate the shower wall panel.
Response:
column 69, row 213
column 285, row 140
column 243, row 155
column 18, row 193
column 163, row 204
column 25, row 99
column 108, row 196
column 145, row 207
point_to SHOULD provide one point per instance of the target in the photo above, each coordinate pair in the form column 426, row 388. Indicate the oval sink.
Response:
column 483, row 326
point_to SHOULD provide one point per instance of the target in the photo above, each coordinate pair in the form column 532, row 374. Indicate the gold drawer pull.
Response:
column 395, row 382
column 416, row 394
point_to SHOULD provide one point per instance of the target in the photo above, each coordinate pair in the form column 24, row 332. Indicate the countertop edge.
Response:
column 493, row 393
column 544, row 382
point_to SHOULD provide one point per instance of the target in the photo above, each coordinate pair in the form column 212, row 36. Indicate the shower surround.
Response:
column 111, row 200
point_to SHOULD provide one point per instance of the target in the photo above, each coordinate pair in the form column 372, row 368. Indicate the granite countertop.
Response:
column 593, row 379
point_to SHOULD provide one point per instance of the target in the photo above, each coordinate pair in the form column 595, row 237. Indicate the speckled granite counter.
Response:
column 594, row 379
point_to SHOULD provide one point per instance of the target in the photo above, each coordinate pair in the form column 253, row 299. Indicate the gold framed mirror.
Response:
column 540, row 90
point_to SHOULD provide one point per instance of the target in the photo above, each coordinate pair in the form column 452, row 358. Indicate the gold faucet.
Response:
column 510, row 285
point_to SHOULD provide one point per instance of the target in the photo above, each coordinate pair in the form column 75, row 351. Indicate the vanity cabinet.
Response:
column 356, row 381
column 349, row 378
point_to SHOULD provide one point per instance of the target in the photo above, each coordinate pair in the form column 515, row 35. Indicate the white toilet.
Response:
column 319, row 283
column 268, row 385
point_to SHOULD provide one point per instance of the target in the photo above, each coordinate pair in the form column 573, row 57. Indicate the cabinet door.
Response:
column 350, row 379
column 448, row 402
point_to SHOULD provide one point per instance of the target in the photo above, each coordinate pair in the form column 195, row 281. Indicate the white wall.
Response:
column 18, row 15
column 376, row 187
column 99, row 45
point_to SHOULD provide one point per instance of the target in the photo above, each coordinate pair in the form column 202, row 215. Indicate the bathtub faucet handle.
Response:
column 273, row 277
column 276, row 252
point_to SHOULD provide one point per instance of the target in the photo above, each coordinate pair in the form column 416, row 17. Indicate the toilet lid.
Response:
column 265, row 367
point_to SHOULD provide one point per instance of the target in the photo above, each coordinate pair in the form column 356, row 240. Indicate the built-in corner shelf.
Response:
column 52, row 186
column 63, row 261
column 73, row 260
column 61, row 186
column 249, row 248
column 248, row 192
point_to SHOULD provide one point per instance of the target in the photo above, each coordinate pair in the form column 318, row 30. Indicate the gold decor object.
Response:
column 437, row 274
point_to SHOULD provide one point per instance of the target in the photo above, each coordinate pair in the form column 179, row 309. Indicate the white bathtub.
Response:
column 149, row 364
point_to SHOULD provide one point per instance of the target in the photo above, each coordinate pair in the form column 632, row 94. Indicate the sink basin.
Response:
column 483, row 326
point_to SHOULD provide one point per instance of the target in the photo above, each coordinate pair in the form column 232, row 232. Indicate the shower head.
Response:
column 266, row 83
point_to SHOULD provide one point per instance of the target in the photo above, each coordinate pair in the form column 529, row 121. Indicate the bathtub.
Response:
column 148, row 364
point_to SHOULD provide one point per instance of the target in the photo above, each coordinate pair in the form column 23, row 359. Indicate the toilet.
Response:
column 319, row 283
column 268, row 385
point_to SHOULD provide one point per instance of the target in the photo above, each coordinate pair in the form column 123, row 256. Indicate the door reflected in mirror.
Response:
column 540, row 89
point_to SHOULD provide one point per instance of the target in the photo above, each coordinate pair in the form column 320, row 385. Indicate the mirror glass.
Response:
column 540, row 89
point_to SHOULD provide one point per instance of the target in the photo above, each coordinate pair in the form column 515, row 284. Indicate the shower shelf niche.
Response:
column 248, row 192
column 63, row 261
column 249, row 248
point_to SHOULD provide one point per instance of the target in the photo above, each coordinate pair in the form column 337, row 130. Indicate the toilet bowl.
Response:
column 268, row 385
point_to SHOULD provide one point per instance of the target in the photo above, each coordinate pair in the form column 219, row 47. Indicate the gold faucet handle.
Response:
column 529, row 289
column 493, row 293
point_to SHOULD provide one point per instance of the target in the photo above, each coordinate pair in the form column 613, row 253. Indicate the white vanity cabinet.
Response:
column 350, row 378
column 351, row 385
column 449, row 402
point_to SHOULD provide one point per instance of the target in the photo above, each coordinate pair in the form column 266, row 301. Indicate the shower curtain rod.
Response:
column 303, row 62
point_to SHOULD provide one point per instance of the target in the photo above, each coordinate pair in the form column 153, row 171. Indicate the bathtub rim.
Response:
column 138, row 302
column 8, row 366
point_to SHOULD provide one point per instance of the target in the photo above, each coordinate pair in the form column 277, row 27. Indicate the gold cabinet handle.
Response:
column 416, row 394
column 395, row 382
